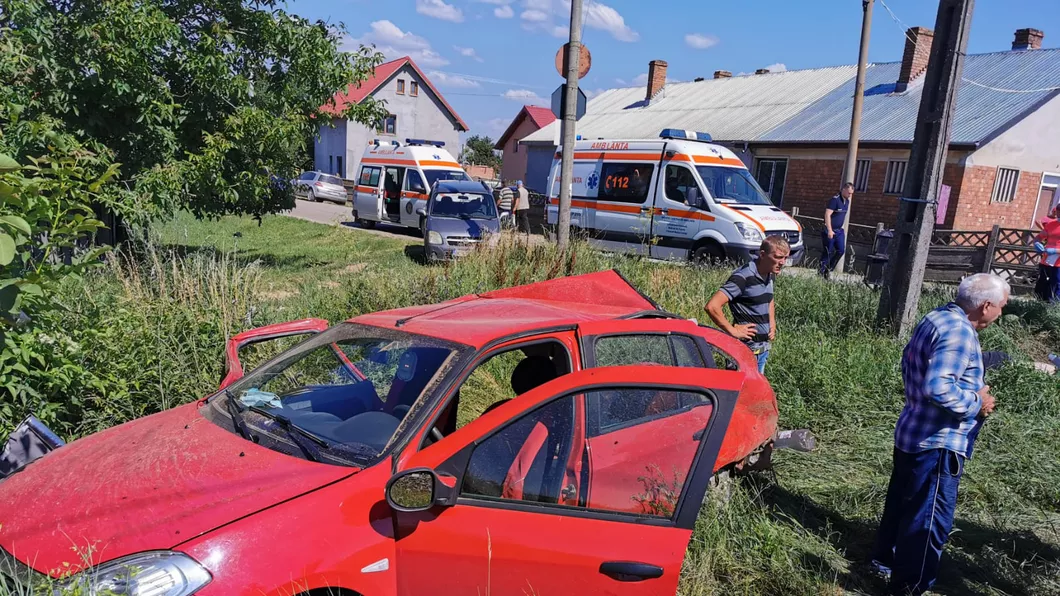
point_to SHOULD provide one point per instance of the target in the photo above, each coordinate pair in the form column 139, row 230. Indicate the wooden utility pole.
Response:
column 570, row 116
column 855, row 117
column 916, row 214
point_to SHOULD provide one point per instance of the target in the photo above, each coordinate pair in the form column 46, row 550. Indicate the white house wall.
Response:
column 330, row 144
column 1032, row 144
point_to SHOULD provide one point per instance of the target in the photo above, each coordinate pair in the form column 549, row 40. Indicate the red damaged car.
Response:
column 554, row 438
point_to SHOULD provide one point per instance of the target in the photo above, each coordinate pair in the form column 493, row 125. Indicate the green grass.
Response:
column 150, row 332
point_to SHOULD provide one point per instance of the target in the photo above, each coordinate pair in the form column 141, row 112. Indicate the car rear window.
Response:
column 331, row 180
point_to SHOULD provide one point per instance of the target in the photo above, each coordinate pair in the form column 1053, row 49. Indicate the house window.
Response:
column 515, row 147
column 894, row 181
column 861, row 175
column 338, row 170
column 401, row 87
column 770, row 175
column 388, row 125
column 414, row 88
column 1005, row 185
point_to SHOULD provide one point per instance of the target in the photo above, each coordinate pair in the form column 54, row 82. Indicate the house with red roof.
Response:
column 530, row 119
column 417, row 111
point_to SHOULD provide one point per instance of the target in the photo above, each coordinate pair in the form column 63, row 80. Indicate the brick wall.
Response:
column 977, row 212
column 811, row 182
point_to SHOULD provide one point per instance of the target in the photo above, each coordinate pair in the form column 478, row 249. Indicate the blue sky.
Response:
column 489, row 57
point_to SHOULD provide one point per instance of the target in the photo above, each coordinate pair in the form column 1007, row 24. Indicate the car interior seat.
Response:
column 532, row 372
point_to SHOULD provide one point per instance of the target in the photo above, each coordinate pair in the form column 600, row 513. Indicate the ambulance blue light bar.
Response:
column 424, row 142
column 690, row 135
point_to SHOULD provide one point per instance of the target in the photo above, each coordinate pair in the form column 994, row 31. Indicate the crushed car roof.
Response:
column 481, row 318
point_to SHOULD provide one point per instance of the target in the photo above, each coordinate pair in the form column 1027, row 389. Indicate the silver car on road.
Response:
column 316, row 186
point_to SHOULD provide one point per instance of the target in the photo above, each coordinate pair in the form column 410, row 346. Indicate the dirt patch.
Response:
column 355, row 268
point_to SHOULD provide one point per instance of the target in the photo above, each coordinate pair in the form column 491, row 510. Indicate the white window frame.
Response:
column 787, row 171
column 887, row 186
column 868, row 169
column 994, row 195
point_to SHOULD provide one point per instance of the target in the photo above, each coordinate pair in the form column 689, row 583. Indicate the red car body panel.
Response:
column 147, row 484
column 235, row 368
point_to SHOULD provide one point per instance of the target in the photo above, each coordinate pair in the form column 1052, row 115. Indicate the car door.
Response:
column 413, row 197
column 368, row 198
column 235, row 350
column 678, row 217
column 532, row 508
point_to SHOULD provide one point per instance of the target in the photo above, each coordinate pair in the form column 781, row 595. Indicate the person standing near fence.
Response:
column 1047, row 243
column 504, row 203
column 946, row 401
column 834, row 236
column 522, row 208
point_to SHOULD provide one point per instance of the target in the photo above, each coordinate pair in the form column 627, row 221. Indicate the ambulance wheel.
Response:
column 708, row 253
column 366, row 223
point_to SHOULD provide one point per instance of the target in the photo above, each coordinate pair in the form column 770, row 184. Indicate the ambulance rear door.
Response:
column 681, row 209
column 368, row 195
column 581, row 212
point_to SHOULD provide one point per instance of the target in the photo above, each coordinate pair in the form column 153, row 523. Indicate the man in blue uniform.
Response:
column 833, row 237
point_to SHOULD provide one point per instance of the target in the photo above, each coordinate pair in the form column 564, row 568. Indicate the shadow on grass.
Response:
column 386, row 228
column 963, row 562
column 245, row 257
column 416, row 254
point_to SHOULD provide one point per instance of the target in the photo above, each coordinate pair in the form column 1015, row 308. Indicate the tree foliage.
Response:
column 202, row 102
column 478, row 151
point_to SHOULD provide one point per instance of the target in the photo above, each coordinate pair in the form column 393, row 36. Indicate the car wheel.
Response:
column 709, row 253
column 423, row 228
column 311, row 197
column 367, row 223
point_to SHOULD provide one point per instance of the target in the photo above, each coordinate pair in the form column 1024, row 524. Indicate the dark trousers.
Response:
column 522, row 219
column 917, row 518
column 834, row 248
column 1048, row 286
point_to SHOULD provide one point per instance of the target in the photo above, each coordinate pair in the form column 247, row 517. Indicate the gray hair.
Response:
column 976, row 290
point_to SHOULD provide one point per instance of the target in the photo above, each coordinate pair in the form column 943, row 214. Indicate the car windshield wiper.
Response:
column 294, row 431
column 237, row 416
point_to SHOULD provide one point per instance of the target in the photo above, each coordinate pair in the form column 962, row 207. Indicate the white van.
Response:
column 679, row 197
column 395, row 180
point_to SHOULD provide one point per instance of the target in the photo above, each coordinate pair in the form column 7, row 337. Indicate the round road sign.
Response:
column 585, row 60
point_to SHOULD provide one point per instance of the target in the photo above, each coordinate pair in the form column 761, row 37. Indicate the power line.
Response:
column 905, row 32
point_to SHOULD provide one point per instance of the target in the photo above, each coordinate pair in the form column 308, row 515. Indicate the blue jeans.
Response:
column 834, row 248
column 917, row 518
column 762, row 361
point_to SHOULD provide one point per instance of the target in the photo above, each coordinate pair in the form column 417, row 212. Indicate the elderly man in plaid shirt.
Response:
column 946, row 401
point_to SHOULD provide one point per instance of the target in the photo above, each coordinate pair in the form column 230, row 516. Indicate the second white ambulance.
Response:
column 676, row 197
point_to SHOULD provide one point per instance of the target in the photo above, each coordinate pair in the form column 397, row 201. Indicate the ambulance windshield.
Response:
column 436, row 175
column 732, row 185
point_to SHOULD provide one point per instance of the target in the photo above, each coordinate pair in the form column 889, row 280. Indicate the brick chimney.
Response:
column 915, row 58
column 722, row 74
column 762, row 71
column 656, row 78
column 1028, row 39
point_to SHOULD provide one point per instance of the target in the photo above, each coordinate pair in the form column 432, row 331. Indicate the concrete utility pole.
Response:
column 916, row 215
column 570, row 116
column 855, row 118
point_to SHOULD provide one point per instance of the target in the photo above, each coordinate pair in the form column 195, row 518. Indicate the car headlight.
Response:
column 434, row 238
column 160, row 573
column 749, row 234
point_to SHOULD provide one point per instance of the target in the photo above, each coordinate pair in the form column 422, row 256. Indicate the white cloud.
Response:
column 603, row 17
column 534, row 16
column 591, row 93
column 395, row 43
column 439, row 10
column 468, row 53
column 523, row 95
column 699, row 41
column 503, row 12
column 640, row 80
column 622, row 82
column 453, row 81
column 777, row 67
column 496, row 127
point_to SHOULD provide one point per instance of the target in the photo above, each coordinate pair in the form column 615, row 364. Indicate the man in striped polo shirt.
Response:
column 749, row 294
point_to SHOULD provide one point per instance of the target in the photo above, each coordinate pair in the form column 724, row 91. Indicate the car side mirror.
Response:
column 417, row 489
column 418, row 188
column 421, row 212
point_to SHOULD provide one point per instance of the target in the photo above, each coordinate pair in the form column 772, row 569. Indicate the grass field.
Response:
column 152, row 330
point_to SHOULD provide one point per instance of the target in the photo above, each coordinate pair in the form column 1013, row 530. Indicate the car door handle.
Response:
column 664, row 211
column 630, row 571
column 644, row 209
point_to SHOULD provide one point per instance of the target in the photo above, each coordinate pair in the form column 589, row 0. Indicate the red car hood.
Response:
column 148, row 484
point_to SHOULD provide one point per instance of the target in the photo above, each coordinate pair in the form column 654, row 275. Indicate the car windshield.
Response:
column 331, row 180
column 351, row 386
column 464, row 206
column 732, row 185
column 436, row 175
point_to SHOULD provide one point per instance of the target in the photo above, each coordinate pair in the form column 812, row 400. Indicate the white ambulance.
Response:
column 678, row 197
column 395, row 180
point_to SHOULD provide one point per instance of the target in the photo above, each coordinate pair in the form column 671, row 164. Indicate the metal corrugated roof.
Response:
column 737, row 108
column 891, row 117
